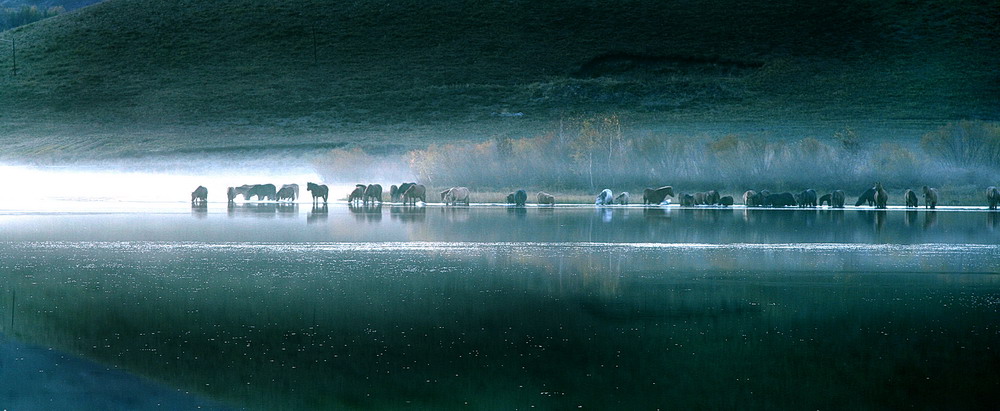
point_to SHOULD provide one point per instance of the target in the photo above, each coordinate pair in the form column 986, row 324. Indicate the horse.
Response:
column 295, row 190
column 712, row 197
column 622, row 198
column 867, row 197
column 780, row 200
column 455, row 195
column 837, row 199
column 992, row 197
column 394, row 193
column 807, row 198
column 750, row 198
column 656, row 195
column 687, row 200
column 930, row 197
column 402, row 189
column 286, row 193
column 262, row 192
column 318, row 191
column 910, row 198
column 546, row 198
column 605, row 198
column 199, row 196
column 373, row 193
column 517, row 198
column 826, row 198
column 231, row 194
column 881, row 196
column 415, row 192
column 358, row 194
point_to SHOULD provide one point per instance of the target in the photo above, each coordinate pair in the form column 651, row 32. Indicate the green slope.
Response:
column 126, row 77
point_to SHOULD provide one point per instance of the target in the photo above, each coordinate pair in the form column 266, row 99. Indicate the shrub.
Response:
column 966, row 143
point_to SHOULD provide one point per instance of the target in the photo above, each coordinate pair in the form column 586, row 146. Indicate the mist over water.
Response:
column 152, row 180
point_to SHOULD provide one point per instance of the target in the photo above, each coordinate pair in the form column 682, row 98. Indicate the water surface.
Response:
column 294, row 307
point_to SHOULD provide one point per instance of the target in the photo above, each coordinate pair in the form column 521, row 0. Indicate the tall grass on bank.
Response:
column 591, row 154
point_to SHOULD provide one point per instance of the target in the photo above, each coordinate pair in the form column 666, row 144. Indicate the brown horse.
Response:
column 318, row 191
column 992, row 197
column 881, row 196
column 656, row 195
column 546, row 198
column 414, row 193
column 930, row 197
column 199, row 195
column 910, row 198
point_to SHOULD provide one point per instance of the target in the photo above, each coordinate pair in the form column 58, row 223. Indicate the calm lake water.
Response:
column 291, row 307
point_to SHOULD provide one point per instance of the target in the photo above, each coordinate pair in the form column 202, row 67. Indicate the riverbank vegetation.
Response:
column 590, row 154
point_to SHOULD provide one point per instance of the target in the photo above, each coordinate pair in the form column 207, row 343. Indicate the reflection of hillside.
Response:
column 308, row 327
column 698, row 225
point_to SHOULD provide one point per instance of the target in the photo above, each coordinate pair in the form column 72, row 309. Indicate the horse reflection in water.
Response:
column 199, row 209
column 993, row 220
column 910, row 218
column 408, row 214
column 318, row 214
column 252, row 209
column 367, row 212
column 287, row 209
column 835, row 216
column 880, row 216
column 455, row 214
column 930, row 219
column 518, row 212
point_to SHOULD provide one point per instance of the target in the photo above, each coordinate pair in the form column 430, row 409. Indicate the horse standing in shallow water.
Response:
column 199, row 195
column 318, row 191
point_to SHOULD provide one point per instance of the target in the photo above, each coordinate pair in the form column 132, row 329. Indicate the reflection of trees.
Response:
column 368, row 328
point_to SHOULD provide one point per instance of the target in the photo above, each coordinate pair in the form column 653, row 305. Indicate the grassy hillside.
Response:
column 129, row 77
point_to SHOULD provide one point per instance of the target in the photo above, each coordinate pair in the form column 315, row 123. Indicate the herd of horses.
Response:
column 264, row 192
column 410, row 193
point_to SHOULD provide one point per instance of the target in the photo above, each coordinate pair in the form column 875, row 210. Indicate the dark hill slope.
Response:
column 125, row 77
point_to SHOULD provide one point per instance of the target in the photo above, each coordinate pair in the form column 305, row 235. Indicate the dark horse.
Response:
column 867, row 197
column 373, row 193
column 358, row 195
column 318, row 191
column 261, row 191
column 414, row 193
column 199, row 195
column 780, row 200
column 656, row 195
column 520, row 197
